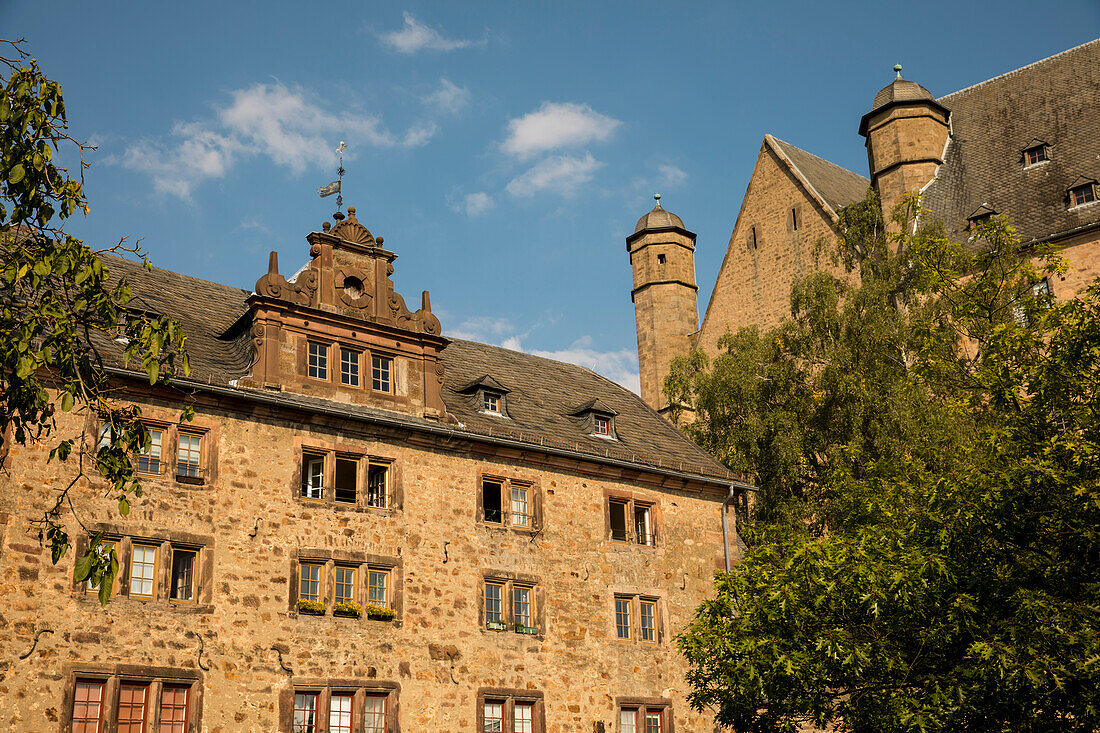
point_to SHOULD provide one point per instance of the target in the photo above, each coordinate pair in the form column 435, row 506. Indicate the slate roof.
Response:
column 899, row 90
column 1055, row 101
column 542, row 392
column 658, row 218
column 837, row 186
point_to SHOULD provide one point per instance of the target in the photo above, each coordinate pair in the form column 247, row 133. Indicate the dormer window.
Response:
column 601, row 425
column 1035, row 155
column 596, row 418
column 981, row 215
column 490, row 401
column 490, row 395
column 1082, row 194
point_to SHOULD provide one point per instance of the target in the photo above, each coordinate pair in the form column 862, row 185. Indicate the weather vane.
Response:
column 335, row 186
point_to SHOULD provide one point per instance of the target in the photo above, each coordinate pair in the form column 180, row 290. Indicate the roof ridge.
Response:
column 813, row 155
column 154, row 268
column 1020, row 69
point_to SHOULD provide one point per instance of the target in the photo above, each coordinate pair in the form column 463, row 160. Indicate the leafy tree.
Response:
column 61, row 310
column 924, row 550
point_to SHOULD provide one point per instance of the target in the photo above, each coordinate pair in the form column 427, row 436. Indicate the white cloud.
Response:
column 483, row 329
column 619, row 366
column 476, row 204
column 561, row 175
column 415, row 36
column 671, row 175
column 555, row 125
column 666, row 177
column 449, row 98
column 286, row 124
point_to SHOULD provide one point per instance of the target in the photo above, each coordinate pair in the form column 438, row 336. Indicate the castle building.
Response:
column 368, row 527
column 1025, row 145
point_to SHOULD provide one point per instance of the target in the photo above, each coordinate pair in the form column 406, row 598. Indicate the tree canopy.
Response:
column 59, row 307
column 923, row 554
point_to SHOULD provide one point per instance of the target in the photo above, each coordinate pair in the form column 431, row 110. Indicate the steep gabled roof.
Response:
column 837, row 186
column 1055, row 101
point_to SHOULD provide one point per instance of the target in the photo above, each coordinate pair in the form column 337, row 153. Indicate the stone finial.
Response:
column 326, row 225
column 897, row 69
column 273, row 263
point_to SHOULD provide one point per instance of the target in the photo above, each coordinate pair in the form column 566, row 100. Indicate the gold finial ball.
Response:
column 351, row 211
column 657, row 197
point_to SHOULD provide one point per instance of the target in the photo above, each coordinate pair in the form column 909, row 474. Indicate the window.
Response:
column 313, row 476
column 104, row 550
column 374, row 714
column 494, row 617
column 648, row 620
column 131, row 708
column 345, row 584
column 148, row 461
column 349, row 367
column 794, row 218
column 521, row 607
column 490, row 497
column 752, row 239
column 508, row 503
column 143, row 565
column 980, row 219
column 520, row 517
column 378, row 485
column 653, row 722
column 490, row 402
column 380, row 368
column 661, row 259
column 183, row 575
column 305, row 712
column 318, row 361
column 88, row 706
column 378, row 587
column 339, row 713
column 309, row 582
column 631, row 520
column 189, row 455
column 1035, row 155
column 347, row 477
column 525, row 717
column 494, row 717
column 622, row 618
column 1080, row 195
column 106, row 435
column 173, row 709
column 638, row 717
column 601, row 425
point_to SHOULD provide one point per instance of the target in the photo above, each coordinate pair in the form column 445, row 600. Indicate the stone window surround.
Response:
column 361, row 561
column 165, row 420
column 656, row 519
column 644, row 705
column 509, row 697
column 116, row 674
column 534, row 501
column 124, row 538
column 508, row 578
column 636, row 597
column 365, row 350
column 332, row 450
column 324, row 688
column 1070, row 198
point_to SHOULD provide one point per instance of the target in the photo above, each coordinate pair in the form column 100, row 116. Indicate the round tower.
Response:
column 906, row 131
column 662, row 257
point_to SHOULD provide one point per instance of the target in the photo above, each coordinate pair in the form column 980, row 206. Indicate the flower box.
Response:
column 311, row 608
column 495, row 625
column 351, row 609
column 521, row 629
column 379, row 613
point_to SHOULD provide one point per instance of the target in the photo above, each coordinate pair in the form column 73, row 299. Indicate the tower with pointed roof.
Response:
column 662, row 257
column 906, row 131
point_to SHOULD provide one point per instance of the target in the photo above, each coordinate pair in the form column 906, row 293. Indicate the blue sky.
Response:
column 504, row 150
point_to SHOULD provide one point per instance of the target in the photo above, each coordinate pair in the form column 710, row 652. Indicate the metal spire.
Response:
column 340, row 176
column 897, row 68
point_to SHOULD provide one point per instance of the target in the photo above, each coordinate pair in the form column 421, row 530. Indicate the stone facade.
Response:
column 236, row 651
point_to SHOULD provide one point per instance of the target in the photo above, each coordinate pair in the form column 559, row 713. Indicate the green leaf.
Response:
column 123, row 506
column 84, row 565
column 66, row 401
column 16, row 174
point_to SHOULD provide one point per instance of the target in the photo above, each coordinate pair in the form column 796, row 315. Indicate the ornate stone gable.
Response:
column 339, row 330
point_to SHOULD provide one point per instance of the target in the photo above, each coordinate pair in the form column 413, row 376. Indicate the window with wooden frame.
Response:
column 1081, row 195
column 88, row 705
column 644, row 716
column 305, row 712
column 340, row 706
column 143, row 569
column 103, row 549
column 349, row 367
column 490, row 402
column 510, row 711
column 508, row 502
column 601, row 425
column 374, row 713
column 381, row 370
column 509, row 604
column 631, row 520
column 378, row 587
column 313, row 475
column 637, row 618
column 378, row 484
column 309, row 581
column 148, row 461
column 184, row 565
column 339, row 712
column 136, row 702
column 317, row 361
column 1035, row 155
column 343, row 584
column 347, row 480
column 189, row 458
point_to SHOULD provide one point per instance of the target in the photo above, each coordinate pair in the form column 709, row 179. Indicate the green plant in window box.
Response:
column 311, row 608
column 347, row 608
column 521, row 629
column 379, row 613
column 495, row 625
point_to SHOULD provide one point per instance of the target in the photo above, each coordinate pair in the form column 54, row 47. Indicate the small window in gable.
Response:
column 602, row 425
column 490, row 396
column 980, row 216
column 596, row 418
column 1036, row 154
column 1082, row 194
column 490, row 401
